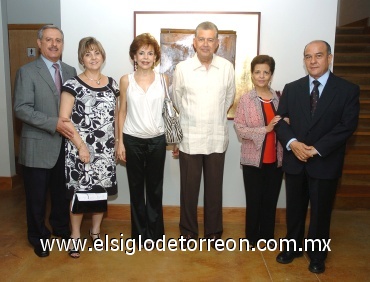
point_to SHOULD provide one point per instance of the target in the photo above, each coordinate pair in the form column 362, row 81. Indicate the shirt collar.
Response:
column 49, row 63
column 322, row 79
column 254, row 95
column 198, row 64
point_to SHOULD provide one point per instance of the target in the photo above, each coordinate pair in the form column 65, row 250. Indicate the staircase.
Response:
column 352, row 62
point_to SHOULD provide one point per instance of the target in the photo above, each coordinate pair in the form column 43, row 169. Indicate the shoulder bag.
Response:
column 172, row 128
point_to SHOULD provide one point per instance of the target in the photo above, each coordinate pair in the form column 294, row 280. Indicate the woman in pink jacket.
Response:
column 261, row 153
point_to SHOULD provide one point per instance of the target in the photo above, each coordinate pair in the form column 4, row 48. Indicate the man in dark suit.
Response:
column 314, row 142
column 41, row 153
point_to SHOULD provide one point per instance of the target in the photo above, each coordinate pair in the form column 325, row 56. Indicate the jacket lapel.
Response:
column 304, row 98
column 45, row 74
column 325, row 99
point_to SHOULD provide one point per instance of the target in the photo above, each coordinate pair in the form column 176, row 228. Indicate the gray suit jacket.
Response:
column 36, row 104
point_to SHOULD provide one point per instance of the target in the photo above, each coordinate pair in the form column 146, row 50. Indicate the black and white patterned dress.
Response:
column 93, row 117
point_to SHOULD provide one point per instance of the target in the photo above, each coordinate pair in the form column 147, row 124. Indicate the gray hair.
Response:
column 206, row 26
column 328, row 48
column 40, row 33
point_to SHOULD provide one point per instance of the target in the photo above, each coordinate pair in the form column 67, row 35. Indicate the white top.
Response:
column 144, row 109
column 203, row 98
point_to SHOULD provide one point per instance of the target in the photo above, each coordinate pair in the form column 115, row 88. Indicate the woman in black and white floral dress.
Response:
column 89, row 101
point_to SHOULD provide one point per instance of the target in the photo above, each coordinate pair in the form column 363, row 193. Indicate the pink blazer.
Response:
column 249, row 123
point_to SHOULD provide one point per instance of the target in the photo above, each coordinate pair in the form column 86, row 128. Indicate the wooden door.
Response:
column 22, row 50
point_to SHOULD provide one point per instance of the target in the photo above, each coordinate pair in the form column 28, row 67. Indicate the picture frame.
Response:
column 245, row 24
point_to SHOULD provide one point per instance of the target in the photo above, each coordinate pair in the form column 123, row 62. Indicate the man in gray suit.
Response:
column 36, row 104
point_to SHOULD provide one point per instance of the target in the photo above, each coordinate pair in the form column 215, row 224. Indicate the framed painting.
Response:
column 245, row 26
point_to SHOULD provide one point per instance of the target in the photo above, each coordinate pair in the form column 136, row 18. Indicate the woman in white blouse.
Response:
column 141, row 140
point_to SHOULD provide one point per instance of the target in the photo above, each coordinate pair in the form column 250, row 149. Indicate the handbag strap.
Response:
column 164, row 85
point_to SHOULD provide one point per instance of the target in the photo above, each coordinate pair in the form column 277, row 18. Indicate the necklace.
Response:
column 264, row 101
column 96, row 80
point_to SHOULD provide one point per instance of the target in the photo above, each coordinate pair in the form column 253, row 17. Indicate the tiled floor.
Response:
column 348, row 261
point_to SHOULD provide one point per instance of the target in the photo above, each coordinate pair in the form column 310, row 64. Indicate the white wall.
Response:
column 285, row 29
column 33, row 12
column 7, row 162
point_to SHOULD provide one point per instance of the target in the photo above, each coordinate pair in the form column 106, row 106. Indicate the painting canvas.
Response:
column 244, row 24
column 177, row 45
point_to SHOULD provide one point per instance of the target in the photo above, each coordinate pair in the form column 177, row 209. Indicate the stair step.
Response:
column 364, row 106
column 361, row 133
column 356, row 169
column 351, row 47
column 363, row 78
column 359, row 68
column 363, row 126
column 359, row 140
column 352, row 58
column 354, row 190
column 354, row 179
column 351, row 203
column 357, row 150
column 353, row 38
column 354, row 160
column 350, row 30
column 364, row 116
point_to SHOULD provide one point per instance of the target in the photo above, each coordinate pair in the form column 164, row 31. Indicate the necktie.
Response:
column 314, row 96
column 57, row 77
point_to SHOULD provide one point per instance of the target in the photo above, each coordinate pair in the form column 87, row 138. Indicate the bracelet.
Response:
column 117, row 140
column 79, row 146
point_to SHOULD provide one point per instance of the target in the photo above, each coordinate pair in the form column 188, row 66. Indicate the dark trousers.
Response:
column 302, row 189
column 262, row 189
column 37, row 181
column 191, row 167
column 145, row 168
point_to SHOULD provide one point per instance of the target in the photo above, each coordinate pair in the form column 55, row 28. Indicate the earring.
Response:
column 135, row 66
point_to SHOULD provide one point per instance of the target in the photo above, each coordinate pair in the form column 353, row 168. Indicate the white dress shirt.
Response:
column 203, row 98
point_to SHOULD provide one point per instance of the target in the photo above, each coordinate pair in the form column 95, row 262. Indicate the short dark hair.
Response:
column 143, row 40
column 206, row 26
column 89, row 43
column 40, row 32
column 263, row 59
column 328, row 48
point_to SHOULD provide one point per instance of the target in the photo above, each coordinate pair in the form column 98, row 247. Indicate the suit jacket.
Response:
column 36, row 104
column 334, row 121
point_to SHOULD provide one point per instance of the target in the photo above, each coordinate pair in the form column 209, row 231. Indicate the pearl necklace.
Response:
column 96, row 80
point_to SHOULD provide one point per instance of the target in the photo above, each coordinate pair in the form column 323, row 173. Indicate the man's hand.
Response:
column 302, row 151
column 313, row 151
column 64, row 127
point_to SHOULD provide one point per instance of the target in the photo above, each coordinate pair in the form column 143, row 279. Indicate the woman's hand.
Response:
column 273, row 122
column 84, row 154
column 121, row 152
column 175, row 151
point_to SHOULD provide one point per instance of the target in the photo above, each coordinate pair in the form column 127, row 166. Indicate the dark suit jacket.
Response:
column 334, row 121
column 36, row 104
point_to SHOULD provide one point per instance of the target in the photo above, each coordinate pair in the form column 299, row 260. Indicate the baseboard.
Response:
column 172, row 213
column 7, row 183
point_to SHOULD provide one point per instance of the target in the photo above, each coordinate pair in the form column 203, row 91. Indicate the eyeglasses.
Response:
column 209, row 40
